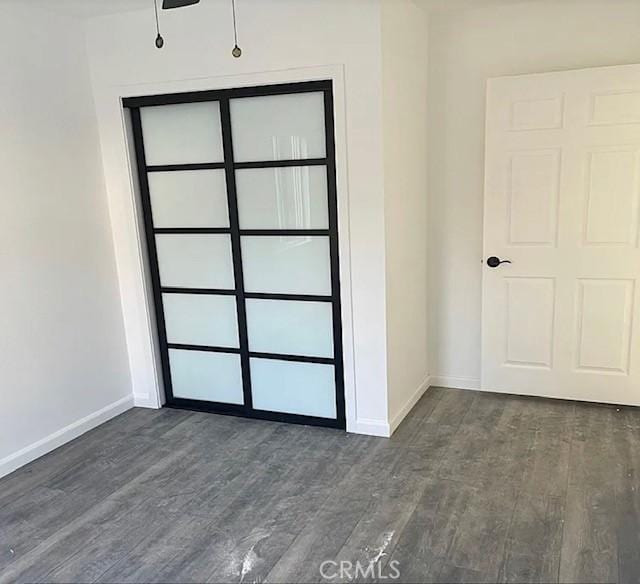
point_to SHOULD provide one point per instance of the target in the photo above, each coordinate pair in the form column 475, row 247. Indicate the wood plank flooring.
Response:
column 473, row 487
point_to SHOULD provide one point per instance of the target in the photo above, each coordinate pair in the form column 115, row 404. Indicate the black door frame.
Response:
column 229, row 165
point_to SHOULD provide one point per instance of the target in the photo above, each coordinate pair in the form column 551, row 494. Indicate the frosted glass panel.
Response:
column 183, row 133
column 295, row 388
column 195, row 261
column 192, row 198
column 278, row 127
column 201, row 319
column 283, row 264
column 283, row 198
column 206, row 376
column 289, row 327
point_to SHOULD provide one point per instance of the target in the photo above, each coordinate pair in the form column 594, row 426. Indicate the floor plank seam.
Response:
column 566, row 492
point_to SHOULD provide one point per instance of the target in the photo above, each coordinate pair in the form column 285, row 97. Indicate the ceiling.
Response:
column 453, row 5
column 84, row 8
column 89, row 8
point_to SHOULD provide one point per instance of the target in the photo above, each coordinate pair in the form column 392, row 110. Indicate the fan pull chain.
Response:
column 236, row 51
column 159, row 39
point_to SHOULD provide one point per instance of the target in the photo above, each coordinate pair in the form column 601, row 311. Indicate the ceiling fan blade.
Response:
column 167, row 4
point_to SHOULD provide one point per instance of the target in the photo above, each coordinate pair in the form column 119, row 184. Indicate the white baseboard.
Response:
column 412, row 401
column 14, row 461
column 455, row 382
column 143, row 400
column 371, row 427
column 386, row 429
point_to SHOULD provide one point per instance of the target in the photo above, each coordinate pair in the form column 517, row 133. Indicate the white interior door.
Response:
column 562, row 203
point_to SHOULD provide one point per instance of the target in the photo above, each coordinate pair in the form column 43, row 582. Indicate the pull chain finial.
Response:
column 236, row 51
column 159, row 39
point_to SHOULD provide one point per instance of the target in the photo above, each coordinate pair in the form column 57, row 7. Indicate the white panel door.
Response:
column 562, row 204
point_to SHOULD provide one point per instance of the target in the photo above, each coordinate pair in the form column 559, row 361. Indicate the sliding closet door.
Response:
column 239, row 200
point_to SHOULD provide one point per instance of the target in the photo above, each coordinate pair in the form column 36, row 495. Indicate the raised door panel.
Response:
column 615, row 107
column 536, row 114
column 533, row 197
column 604, row 316
column 612, row 197
column 529, row 321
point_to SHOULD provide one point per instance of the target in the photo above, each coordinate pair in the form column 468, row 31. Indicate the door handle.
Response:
column 494, row 262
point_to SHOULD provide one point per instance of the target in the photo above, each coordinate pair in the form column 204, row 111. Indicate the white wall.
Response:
column 404, row 80
column 62, row 346
column 281, row 38
column 465, row 48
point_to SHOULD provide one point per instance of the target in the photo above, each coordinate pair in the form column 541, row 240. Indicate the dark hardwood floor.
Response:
column 473, row 487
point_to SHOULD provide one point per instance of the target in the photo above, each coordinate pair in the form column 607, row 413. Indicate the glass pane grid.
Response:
column 206, row 376
column 278, row 127
column 281, row 231
column 275, row 163
column 195, row 260
column 287, row 264
column 283, row 198
column 290, row 327
column 182, row 133
column 189, row 199
column 306, row 389
column 257, row 354
column 198, row 319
